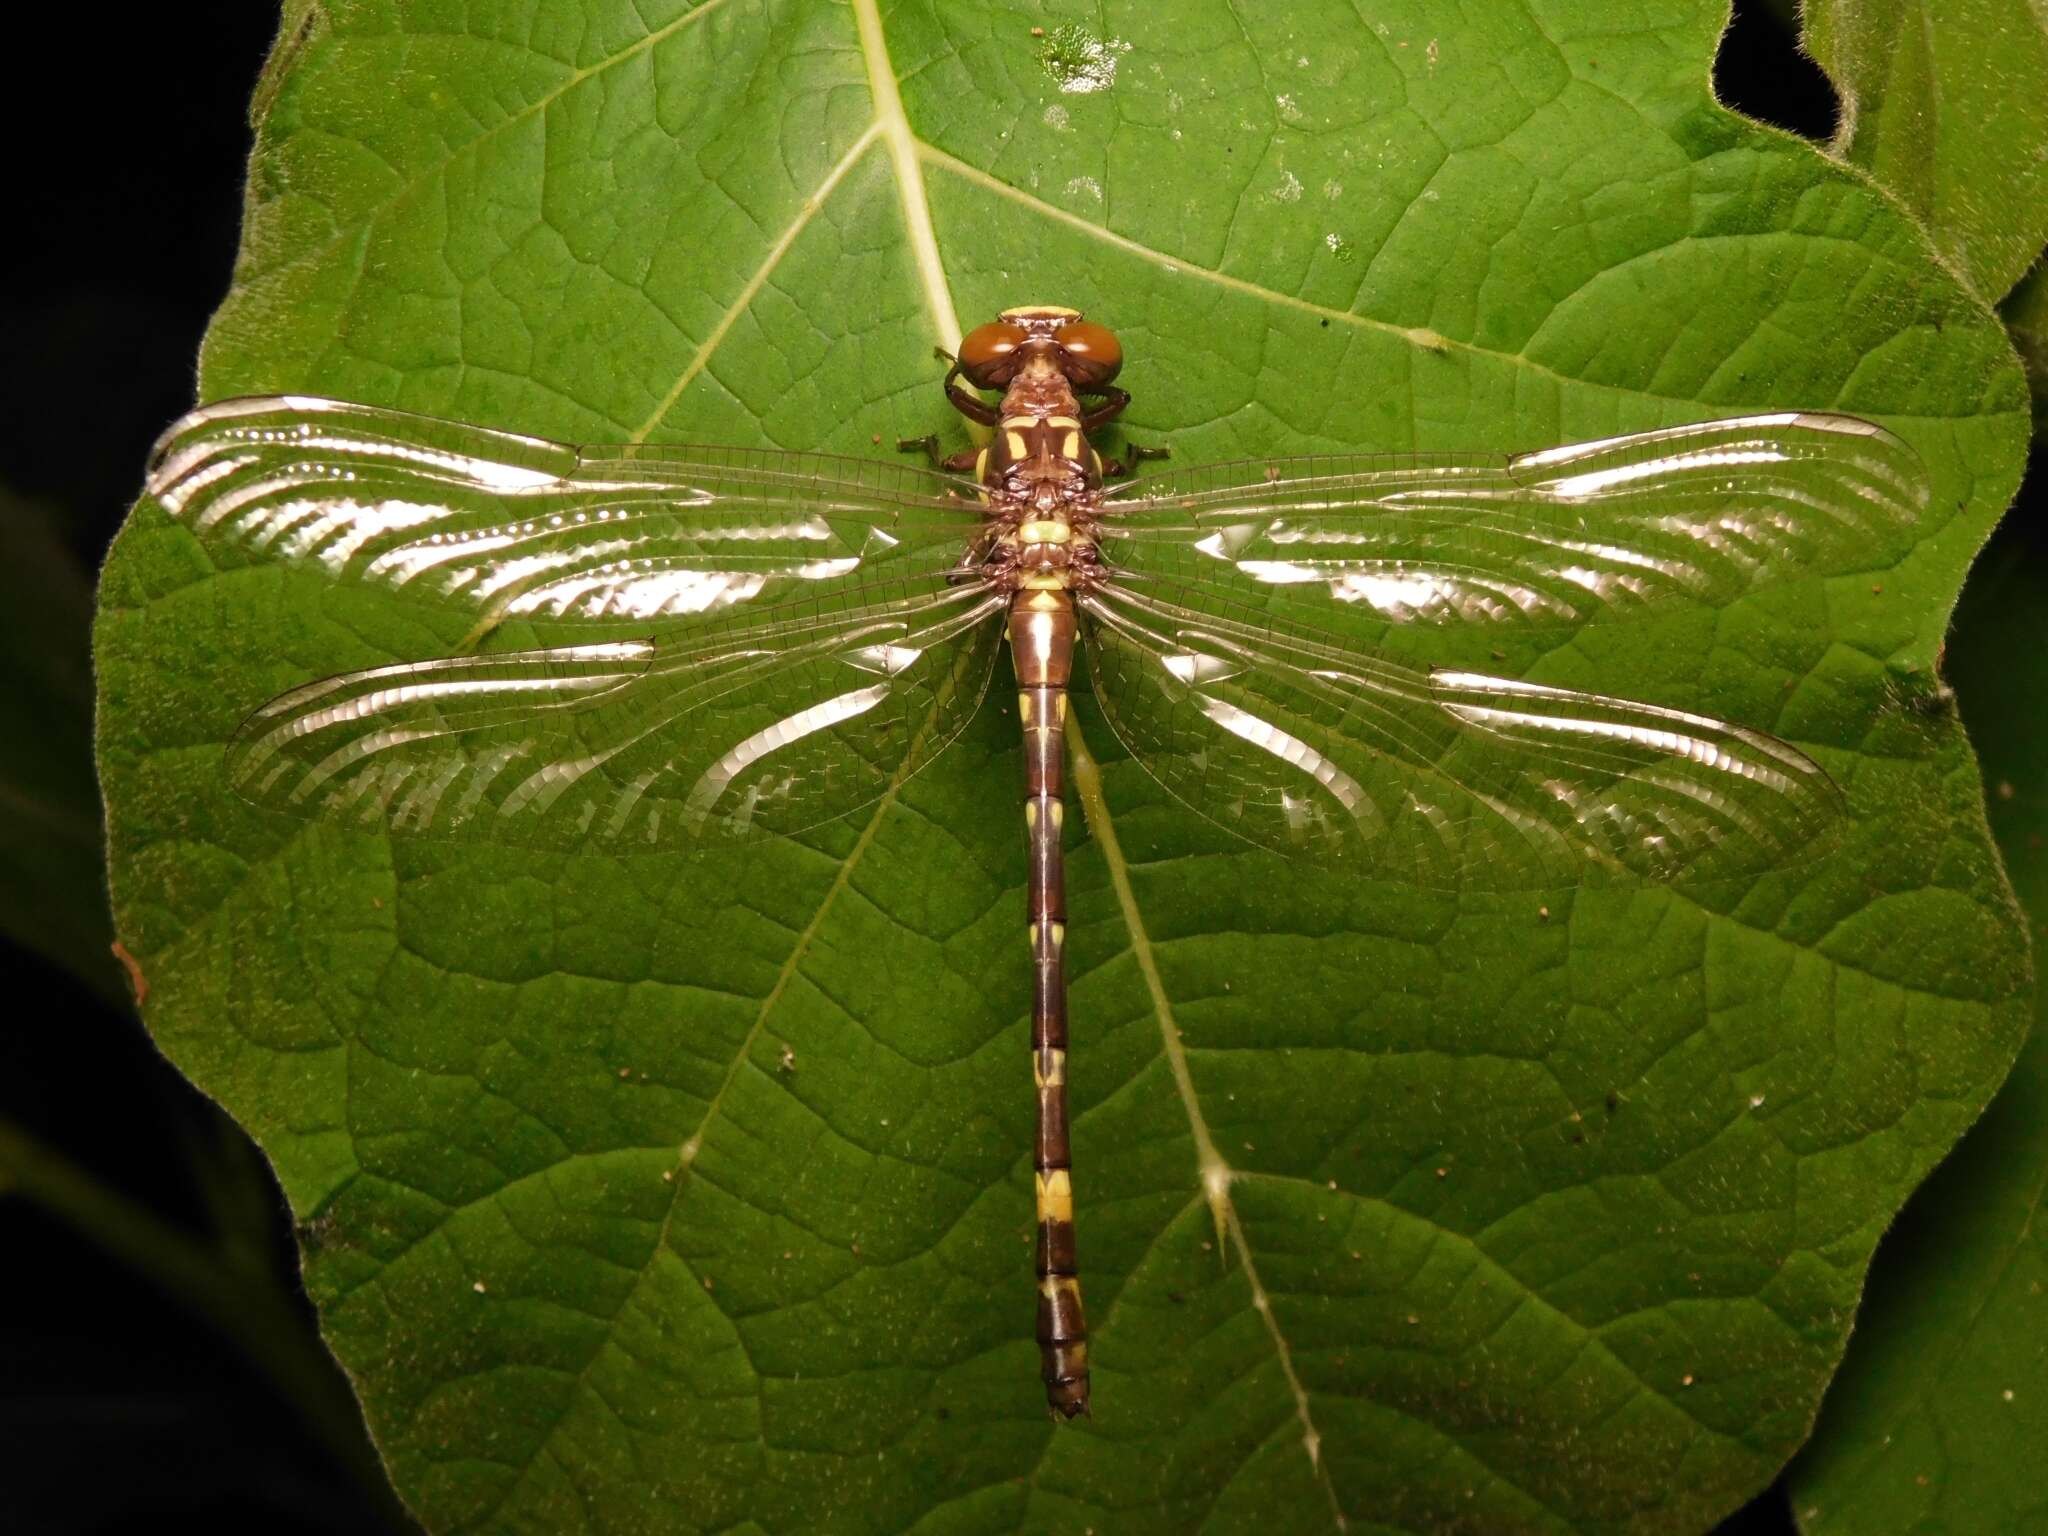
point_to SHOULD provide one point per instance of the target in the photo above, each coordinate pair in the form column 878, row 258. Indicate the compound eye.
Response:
column 988, row 354
column 1093, row 353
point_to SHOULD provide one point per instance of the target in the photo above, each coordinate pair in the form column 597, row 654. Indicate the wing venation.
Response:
column 1560, row 537
column 506, row 526
column 1446, row 779
column 725, row 732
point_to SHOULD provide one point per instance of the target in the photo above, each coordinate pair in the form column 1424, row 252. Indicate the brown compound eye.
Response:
column 1093, row 354
column 988, row 354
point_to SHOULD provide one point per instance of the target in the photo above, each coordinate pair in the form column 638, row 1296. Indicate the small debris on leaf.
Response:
column 137, row 982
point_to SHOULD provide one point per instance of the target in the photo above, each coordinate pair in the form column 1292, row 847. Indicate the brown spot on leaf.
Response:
column 137, row 982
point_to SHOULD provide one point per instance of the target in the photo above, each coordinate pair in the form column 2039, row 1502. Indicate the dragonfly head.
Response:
column 1050, row 335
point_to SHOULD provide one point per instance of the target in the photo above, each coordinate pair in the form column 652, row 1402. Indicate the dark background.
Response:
column 120, row 1406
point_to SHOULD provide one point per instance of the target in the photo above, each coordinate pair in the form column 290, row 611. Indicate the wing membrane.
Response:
column 1445, row 779
column 729, row 732
column 1559, row 537
column 506, row 525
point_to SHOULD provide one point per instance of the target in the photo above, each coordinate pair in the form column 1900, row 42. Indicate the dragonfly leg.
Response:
column 930, row 446
column 1134, row 455
column 973, row 408
column 1114, row 401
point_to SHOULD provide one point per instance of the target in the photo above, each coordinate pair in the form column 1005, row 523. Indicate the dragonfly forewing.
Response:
column 506, row 526
column 1562, row 537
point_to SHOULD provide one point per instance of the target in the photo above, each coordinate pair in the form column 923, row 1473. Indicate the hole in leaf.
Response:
column 1761, row 72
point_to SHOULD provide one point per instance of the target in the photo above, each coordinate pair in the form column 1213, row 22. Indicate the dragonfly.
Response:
column 756, row 642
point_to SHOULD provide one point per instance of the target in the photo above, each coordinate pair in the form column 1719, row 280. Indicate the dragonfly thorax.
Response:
column 1044, row 488
column 1040, row 463
column 1040, row 455
column 1039, row 475
column 1046, row 360
column 1048, row 551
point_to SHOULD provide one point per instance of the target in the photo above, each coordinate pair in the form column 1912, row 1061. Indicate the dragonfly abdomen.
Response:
column 1042, row 625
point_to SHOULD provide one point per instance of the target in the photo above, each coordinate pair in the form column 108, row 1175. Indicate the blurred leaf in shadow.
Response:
column 2025, row 312
column 53, row 892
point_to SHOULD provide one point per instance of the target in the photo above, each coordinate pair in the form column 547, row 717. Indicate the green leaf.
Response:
column 1545, row 1212
column 1936, row 1421
column 1946, row 104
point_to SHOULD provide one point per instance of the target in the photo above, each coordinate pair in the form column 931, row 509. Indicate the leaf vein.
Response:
column 1215, row 1173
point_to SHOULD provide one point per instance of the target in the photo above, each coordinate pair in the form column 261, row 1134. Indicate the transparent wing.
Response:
column 735, row 731
column 508, row 525
column 1445, row 779
column 1562, row 536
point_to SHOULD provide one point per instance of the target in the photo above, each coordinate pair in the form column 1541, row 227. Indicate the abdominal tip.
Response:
column 1068, row 1400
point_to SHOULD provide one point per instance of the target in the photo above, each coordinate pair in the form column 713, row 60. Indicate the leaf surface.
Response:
column 1935, row 1421
column 1925, row 1425
column 1946, row 104
column 648, row 1194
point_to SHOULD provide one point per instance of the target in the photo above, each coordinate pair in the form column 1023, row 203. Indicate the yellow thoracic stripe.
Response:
column 1010, row 423
column 1045, row 530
